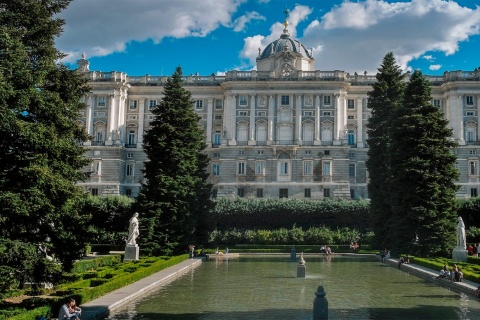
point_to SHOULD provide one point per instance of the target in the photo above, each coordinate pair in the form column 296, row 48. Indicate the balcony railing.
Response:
column 98, row 143
column 130, row 145
column 284, row 142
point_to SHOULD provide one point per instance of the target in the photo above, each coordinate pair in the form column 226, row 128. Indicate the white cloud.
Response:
column 361, row 33
column 429, row 58
column 435, row 67
column 250, row 48
column 240, row 23
column 105, row 22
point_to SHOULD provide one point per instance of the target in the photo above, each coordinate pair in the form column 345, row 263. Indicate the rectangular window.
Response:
column 351, row 104
column 284, row 168
column 473, row 151
column 260, row 152
column 352, row 193
column 285, row 101
column 473, row 192
column 241, row 192
column 470, row 113
column 214, row 193
column 327, row 113
column 351, row 170
column 308, row 193
column 94, row 192
column 261, row 113
column 96, row 167
column 283, row 193
column 309, row 152
column 129, row 169
column 199, row 105
column 243, row 100
column 216, row 169
column 102, row 101
column 129, row 155
column 152, row 104
column 327, row 168
column 260, row 193
column 216, row 154
column 218, row 117
column 327, row 100
column 241, row 168
column 307, row 168
column 243, row 113
column 469, row 100
column 327, row 152
column 133, row 104
column 260, row 168
column 308, row 113
column 218, row 104
column 128, row 192
column 326, row 193
column 352, row 117
column 436, row 103
column 472, row 168
column 132, row 117
column 241, row 153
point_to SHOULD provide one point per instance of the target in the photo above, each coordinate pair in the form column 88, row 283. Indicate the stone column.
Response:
column 209, row 122
column 298, row 119
column 233, row 122
column 111, row 119
column 271, row 117
column 359, row 103
column 478, row 117
column 456, row 109
column 89, row 115
column 338, row 124
column 121, row 115
column 141, row 119
column 251, row 138
column 317, row 140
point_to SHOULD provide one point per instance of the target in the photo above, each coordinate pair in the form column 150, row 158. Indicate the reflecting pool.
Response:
column 267, row 287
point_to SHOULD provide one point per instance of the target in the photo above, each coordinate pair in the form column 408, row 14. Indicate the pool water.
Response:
column 267, row 287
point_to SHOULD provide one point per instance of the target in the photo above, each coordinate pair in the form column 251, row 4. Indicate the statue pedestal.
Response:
column 301, row 271
column 459, row 255
column 131, row 252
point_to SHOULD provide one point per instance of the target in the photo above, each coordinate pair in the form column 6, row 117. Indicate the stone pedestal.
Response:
column 320, row 305
column 301, row 270
column 131, row 252
column 293, row 254
column 459, row 254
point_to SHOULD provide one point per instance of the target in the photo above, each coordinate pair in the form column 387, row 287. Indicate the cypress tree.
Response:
column 423, row 174
column 174, row 201
column 383, row 99
column 40, row 160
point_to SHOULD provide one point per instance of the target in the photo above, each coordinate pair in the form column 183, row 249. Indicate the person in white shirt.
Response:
column 69, row 311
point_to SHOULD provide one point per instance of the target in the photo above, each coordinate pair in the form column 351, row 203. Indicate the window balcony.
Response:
column 98, row 143
column 129, row 145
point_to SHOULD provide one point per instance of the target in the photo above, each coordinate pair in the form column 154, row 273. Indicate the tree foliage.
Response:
column 423, row 202
column 174, row 202
column 39, row 108
column 386, row 95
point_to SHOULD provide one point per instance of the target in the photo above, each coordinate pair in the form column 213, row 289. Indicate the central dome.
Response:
column 285, row 55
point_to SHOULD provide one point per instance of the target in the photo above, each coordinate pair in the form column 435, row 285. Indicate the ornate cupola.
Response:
column 285, row 55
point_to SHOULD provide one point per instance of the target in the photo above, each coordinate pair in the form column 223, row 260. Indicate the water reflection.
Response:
column 267, row 288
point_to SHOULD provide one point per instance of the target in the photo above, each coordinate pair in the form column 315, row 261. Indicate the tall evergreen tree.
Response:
column 385, row 96
column 423, row 174
column 40, row 160
column 174, row 201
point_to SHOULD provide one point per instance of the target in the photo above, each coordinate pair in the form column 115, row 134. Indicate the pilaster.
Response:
column 359, row 106
column 271, row 125
column 317, row 140
column 251, row 138
column 298, row 119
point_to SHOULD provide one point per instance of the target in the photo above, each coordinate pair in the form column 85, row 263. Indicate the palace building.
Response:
column 284, row 130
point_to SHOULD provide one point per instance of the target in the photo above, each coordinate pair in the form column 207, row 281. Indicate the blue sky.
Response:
column 213, row 36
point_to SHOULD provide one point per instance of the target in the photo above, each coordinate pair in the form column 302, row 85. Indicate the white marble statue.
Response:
column 133, row 231
column 461, row 241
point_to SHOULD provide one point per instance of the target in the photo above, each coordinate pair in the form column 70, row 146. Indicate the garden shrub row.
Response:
column 295, row 235
column 94, row 264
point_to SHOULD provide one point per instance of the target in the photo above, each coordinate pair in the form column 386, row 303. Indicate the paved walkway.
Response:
column 101, row 307
column 465, row 286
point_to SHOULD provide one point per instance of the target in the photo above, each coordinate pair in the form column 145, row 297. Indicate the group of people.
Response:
column 354, row 245
column 474, row 250
column 384, row 254
column 326, row 250
column 454, row 275
column 69, row 311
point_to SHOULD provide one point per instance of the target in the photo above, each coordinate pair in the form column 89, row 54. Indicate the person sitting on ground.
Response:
column 67, row 311
column 400, row 262
column 217, row 252
column 383, row 253
column 441, row 275
column 322, row 249
column 328, row 250
column 460, row 275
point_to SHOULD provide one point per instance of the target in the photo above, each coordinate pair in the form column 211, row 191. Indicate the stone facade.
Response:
column 285, row 130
